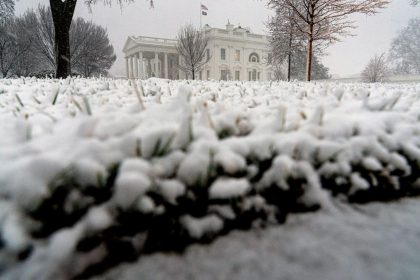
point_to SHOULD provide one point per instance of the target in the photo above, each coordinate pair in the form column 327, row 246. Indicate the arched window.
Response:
column 253, row 57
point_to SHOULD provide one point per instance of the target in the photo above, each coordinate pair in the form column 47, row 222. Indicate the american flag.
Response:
column 204, row 8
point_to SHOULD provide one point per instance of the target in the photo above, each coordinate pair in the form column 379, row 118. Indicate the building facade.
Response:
column 233, row 53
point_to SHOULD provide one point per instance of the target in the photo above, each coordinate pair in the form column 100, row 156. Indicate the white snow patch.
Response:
column 224, row 188
column 198, row 227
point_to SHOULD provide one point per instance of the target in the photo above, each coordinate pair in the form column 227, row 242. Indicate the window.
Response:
column 237, row 75
column 237, row 55
column 223, row 54
column 253, row 75
column 208, row 74
column 223, row 75
column 253, row 57
column 208, row 54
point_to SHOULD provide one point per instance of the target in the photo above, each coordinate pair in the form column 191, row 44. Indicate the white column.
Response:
column 157, row 65
column 229, row 56
column 127, row 69
column 136, row 66
column 141, row 76
column 179, row 69
column 243, row 69
column 131, row 67
column 166, row 65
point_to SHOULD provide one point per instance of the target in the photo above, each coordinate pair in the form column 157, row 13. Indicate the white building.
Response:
column 235, row 54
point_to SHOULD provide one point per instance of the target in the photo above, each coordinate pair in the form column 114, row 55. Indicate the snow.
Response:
column 358, row 183
column 146, row 204
column 172, row 189
column 98, row 218
column 375, row 241
column 224, row 188
column 198, row 227
column 231, row 162
column 13, row 234
column 129, row 187
column 78, row 156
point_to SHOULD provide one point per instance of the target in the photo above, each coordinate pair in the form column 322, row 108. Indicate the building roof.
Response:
column 229, row 33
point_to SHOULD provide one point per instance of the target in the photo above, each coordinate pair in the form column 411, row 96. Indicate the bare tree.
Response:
column 7, row 9
column 288, row 49
column 376, row 70
column 27, row 61
column 405, row 49
column 191, row 46
column 14, row 44
column 414, row 2
column 297, row 69
column 324, row 20
column 8, row 46
column 62, row 13
column 279, row 74
column 92, row 54
column 285, row 41
column 90, row 50
column 44, row 36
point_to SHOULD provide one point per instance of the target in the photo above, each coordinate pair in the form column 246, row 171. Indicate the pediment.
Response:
column 129, row 44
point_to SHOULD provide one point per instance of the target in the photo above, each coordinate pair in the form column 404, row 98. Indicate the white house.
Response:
column 234, row 54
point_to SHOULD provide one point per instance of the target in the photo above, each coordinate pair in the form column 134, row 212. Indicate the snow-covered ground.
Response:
column 375, row 241
column 390, row 79
column 95, row 172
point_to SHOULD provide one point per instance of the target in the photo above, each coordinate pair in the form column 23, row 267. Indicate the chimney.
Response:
column 229, row 27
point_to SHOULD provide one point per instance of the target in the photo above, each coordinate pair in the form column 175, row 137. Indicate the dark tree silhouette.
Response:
column 62, row 13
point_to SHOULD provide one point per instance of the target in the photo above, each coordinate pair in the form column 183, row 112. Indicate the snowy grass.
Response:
column 95, row 172
column 374, row 241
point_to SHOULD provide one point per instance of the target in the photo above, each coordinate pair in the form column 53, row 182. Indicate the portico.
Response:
column 148, row 57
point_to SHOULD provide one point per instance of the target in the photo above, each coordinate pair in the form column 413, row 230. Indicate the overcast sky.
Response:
column 373, row 34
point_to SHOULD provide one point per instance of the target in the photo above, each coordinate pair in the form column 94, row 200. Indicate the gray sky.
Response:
column 373, row 34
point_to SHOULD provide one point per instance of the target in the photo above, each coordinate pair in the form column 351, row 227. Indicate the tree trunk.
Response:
column 289, row 58
column 62, row 52
column 309, row 54
column 310, row 44
column 193, row 73
column 3, row 71
column 309, row 60
column 62, row 14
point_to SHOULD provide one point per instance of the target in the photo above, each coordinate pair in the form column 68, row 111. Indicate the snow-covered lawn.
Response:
column 95, row 172
column 375, row 241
